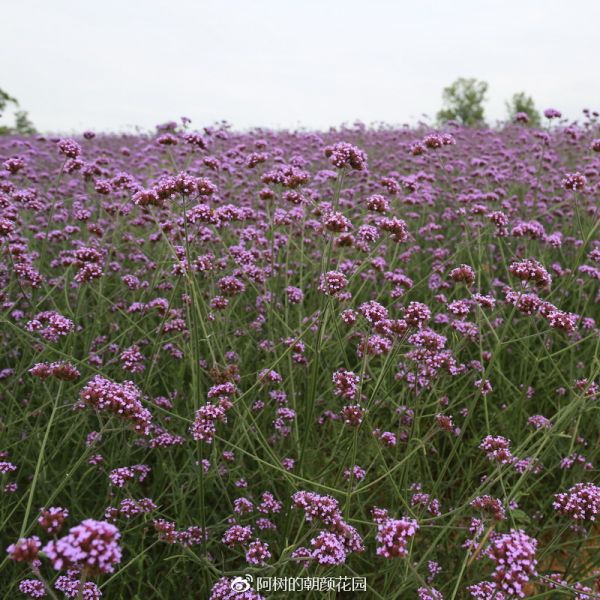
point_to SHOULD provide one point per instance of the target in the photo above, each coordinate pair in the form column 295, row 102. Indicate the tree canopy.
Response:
column 463, row 102
column 23, row 124
column 521, row 104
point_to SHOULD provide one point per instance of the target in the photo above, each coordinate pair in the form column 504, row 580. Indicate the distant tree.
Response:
column 463, row 102
column 521, row 104
column 5, row 100
column 23, row 124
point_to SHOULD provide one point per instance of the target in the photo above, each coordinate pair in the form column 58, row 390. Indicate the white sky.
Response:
column 113, row 64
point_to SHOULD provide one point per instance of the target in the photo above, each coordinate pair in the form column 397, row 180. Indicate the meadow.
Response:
column 356, row 353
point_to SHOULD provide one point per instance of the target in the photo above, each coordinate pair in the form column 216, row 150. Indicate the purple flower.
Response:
column 333, row 283
column 257, row 553
column 33, row 588
column 69, row 148
column 52, row 519
column 328, row 549
column 91, row 545
column 25, row 549
column 574, row 181
column 581, row 502
column 552, row 113
column 393, row 536
column 514, row 556
column 343, row 154
column 120, row 399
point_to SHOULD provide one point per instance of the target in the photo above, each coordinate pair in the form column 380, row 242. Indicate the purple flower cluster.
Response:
column 52, row 519
column 514, row 558
column 497, row 449
column 581, row 502
column 91, row 545
column 120, row 399
column 25, row 549
column 122, row 475
column 70, row 586
column 129, row 508
column 50, row 325
column 343, row 154
column 61, row 370
column 168, row 532
column 393, row 536
column 33, row 588
column 330, row 546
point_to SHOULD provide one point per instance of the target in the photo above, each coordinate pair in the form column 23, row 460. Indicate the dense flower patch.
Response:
column 361, row 352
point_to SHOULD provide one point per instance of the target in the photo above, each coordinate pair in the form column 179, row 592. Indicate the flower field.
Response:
column 359, row 353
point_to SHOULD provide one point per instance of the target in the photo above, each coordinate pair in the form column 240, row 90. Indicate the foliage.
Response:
column 523, row 104
column 23, row 124
column 463, row 102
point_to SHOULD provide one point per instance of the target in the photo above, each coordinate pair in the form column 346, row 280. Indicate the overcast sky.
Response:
column 113, row 64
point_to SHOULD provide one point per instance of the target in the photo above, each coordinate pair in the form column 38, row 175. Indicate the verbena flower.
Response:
column 91, row 545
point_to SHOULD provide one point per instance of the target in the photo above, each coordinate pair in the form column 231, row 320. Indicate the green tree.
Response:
column 463, row 102
column 23, row 124
column 521, row 103
column 5, row 100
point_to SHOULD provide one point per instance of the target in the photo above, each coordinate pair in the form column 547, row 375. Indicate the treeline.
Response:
column 463, row 102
